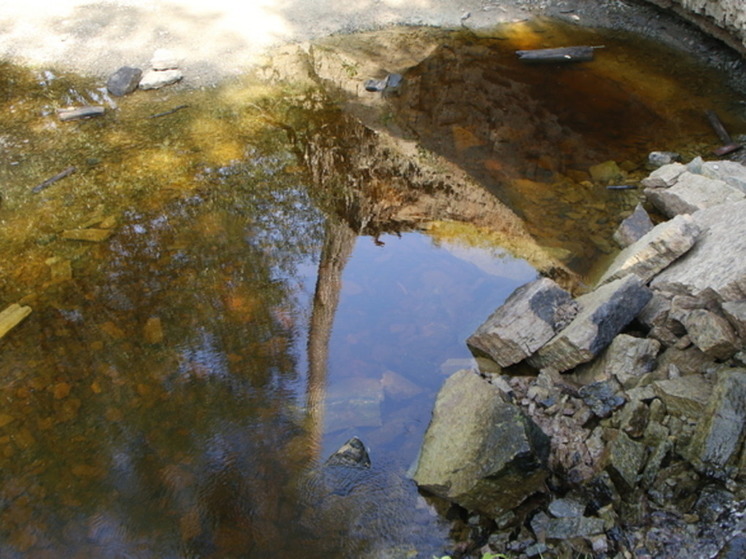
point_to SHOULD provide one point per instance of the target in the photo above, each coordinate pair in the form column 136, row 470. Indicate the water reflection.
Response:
column 175, row 395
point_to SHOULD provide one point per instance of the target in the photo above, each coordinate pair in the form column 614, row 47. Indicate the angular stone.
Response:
column 352, row 454
column 602, row 397
column 124, row 81
column 716, row 261
column 633, row 227
column 577, row 527
column 526, row 321
column 684, row 396
column 657, row 159
column 730, row 172
column 664, row 177
column 566, row 508
column 688, row 361
column 655, row 250
column 626, row 360
column 603, row 313
column 720, row 432
column 155, row 79
column 626, row 460
column 398, row 388
column 711, row 333
column 633, row 418
column 691, row 193
column 480, row 451
column 153, row 330
column 735, row 312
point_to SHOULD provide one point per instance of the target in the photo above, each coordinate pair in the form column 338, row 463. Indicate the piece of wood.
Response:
column 169, row 112
column 61, row 175
column 562, row 54
column 12, row 317
column 729, row 146
column 718, row 127
column 80, row 112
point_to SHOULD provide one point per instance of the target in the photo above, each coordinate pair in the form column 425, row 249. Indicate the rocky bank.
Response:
column 613, row 424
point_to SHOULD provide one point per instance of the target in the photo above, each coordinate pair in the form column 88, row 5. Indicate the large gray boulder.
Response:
column 716, row 261
column 655, row 250
column 718, row 439
column 481, row 451
column 691, row 193
column 525, row 322
column 603, row 313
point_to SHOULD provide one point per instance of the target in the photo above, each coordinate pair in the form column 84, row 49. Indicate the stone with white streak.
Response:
column 716, row 261
column 654, row 251
column 527, row 320
column 603, row 313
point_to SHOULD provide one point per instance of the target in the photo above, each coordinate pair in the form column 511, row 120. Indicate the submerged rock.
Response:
column 526, row 321
column 603, row 313
column 480, row 451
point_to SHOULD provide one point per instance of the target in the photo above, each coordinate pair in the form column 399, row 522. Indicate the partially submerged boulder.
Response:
column 481, row 451
column 526, row 321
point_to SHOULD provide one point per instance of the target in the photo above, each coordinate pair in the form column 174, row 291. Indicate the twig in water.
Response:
column 41, row 186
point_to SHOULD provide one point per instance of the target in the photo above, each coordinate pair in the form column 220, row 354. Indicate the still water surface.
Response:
column 181, row 382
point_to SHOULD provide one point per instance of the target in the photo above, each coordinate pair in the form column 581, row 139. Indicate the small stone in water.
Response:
column 153, row 330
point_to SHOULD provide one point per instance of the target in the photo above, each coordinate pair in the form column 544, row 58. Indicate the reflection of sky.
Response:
column 407, row 308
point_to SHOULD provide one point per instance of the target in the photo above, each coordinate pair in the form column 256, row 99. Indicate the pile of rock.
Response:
column 636, row 420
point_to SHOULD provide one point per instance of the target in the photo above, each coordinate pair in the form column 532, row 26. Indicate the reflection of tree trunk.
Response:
column 339, row 240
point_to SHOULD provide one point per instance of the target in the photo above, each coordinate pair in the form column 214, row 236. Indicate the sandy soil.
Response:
column 213, row 38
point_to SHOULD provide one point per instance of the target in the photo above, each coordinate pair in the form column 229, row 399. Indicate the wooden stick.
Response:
column 81, row 112
column 563, row 54
column 61, row 175
column 11, row 317
column 720, row 130
column 168, row 112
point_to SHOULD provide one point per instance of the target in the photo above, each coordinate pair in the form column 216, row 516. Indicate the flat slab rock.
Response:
column 691, row 193
column 528, row 319
column 716, row 261
column 603, row 314
column 653, row 252
column 480, row 451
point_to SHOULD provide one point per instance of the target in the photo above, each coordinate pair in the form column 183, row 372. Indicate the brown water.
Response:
column 180, row 382
column 532, row 132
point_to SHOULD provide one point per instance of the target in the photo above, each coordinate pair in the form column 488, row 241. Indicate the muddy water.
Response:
column 183, row 377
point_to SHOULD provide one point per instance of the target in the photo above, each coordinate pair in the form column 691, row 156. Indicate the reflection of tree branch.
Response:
column 339, row 240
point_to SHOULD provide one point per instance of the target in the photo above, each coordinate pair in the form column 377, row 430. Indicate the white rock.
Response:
column 155, row 79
